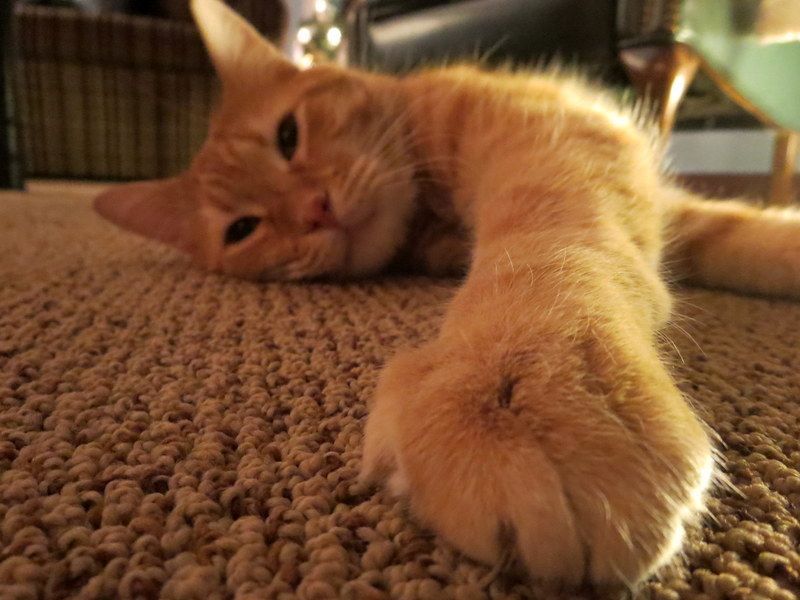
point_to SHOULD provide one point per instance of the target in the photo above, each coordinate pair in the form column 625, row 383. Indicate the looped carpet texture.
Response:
column 166, row 432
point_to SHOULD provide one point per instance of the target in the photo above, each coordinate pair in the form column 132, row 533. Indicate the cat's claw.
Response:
column 506, row 467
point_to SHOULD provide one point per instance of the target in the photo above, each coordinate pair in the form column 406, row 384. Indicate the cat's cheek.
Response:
column 204, row 251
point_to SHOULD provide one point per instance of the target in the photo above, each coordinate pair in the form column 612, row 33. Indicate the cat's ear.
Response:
column 163, row 210
column 236, row 48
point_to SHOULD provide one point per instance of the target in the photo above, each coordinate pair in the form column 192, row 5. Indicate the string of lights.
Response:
column 320, row 37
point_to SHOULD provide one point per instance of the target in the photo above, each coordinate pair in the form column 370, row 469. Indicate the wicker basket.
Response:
column 112, row 96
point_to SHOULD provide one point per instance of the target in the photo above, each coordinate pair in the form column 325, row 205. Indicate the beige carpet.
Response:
column 169, row 432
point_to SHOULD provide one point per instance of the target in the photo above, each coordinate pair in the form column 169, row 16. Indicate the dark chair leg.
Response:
column 662, row 73
column 10, row 160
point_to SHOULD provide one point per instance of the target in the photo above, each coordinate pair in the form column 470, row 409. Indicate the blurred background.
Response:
column 121, row 89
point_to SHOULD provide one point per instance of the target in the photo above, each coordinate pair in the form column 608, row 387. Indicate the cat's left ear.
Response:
column 163, row 210
column 236, row 48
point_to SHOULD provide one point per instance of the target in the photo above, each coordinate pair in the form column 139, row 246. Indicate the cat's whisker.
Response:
column 359, row 176
column 400, row 172
column 663, row 336
column 689, row 336
column 345, row 186
column 510, row 262
column 353, row 176
column 388, row 134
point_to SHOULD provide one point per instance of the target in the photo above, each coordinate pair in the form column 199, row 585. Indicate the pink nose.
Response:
column 319, row 214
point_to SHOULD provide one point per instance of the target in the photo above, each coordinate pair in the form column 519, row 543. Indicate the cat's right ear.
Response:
column 163, row 210
column 236, row 48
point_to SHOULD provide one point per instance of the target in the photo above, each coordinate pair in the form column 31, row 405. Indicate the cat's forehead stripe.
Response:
column 234, row 172
column 228, row 198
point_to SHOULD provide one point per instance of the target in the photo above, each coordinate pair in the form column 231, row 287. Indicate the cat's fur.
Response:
column 541, row 424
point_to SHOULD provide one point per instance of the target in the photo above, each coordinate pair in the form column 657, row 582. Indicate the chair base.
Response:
column 664, row 72
column 661, row 73
column 784, row 158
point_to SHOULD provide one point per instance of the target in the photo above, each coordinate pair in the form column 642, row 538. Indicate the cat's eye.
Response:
column 240, row 229
column 287, row 136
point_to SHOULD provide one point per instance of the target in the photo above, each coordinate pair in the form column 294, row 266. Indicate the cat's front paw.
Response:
column 580, row 470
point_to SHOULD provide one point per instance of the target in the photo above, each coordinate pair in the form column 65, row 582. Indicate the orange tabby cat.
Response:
column 541, row 425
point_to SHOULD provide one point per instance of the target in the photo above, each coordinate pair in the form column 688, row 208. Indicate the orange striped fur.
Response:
column 541, row 425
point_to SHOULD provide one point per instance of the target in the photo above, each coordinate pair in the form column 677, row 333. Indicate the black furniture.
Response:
column 10, row 160
column 396, row 35
column 644, row 44
column 107, row 95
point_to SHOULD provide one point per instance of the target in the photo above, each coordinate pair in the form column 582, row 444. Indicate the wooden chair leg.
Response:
column 662, row 73
column 784, row 158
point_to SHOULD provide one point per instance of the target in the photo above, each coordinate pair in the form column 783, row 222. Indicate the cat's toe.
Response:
column 515, row 469
column 379, row 462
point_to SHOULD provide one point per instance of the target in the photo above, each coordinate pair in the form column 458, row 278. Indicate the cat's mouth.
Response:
column 354, row 223
column 351, row 219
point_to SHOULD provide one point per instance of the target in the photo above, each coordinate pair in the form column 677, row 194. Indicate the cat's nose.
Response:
column 319, row 213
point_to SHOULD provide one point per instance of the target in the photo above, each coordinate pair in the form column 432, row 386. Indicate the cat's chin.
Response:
column 375, row 225
column 374, row 240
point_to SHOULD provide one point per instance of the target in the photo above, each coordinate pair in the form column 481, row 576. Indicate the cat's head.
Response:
column 303, row 173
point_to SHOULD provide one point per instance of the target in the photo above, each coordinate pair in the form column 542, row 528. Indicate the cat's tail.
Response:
column 733, row 245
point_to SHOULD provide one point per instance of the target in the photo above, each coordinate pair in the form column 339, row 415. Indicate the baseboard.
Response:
column 729, row 151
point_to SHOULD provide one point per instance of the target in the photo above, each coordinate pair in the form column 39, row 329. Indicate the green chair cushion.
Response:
column 738, row 40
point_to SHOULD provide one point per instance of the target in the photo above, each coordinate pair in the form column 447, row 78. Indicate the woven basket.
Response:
column 112, row 96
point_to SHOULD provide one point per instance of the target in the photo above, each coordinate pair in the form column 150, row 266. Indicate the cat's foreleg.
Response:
column 541, row 425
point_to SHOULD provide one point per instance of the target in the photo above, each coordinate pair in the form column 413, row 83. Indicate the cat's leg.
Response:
column 733, row 245
column 541, row 425
column 436, row 248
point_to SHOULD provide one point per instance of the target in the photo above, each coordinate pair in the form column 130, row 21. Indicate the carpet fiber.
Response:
column 167, row 432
